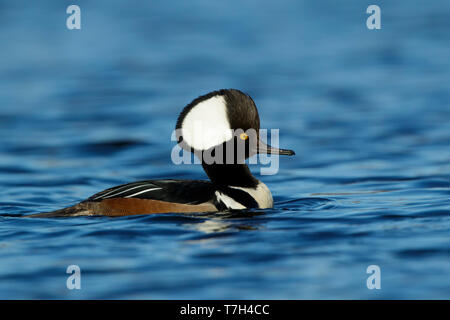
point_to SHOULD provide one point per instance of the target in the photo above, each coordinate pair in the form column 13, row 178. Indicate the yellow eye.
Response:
column 243, row 136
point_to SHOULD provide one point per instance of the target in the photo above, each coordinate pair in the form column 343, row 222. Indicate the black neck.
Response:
column 238, row 175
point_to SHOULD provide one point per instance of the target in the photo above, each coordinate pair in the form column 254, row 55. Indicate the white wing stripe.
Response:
column 105, row 194
column 143, row 191
column 126, row 190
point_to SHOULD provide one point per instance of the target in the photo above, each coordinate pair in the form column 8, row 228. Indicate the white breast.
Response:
column 261, row 194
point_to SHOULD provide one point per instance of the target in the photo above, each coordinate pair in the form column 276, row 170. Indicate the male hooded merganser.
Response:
column 208, row 125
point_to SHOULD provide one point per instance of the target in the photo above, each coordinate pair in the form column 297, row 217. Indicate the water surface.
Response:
column 367, row 112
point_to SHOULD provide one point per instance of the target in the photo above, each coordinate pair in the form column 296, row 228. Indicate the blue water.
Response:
column 367, row 112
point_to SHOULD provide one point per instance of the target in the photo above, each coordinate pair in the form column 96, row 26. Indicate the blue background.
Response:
column 367, row 112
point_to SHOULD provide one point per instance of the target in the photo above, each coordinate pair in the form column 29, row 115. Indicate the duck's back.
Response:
column 145, row 197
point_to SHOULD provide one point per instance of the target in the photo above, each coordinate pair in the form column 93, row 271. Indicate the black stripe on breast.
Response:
column 239, row 196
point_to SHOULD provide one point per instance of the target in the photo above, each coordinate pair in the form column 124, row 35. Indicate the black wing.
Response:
column 178, row 191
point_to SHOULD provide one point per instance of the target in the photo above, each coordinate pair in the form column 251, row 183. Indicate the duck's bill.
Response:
column 264, row 148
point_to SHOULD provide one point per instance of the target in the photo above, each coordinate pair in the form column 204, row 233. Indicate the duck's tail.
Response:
column 73, row 211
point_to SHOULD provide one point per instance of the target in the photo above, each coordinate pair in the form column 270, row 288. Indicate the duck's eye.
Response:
column 243, row 136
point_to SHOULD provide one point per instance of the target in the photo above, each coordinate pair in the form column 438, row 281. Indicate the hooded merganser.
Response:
column 207, row 124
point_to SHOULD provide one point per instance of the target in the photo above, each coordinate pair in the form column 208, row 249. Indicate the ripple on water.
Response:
column 306, row 204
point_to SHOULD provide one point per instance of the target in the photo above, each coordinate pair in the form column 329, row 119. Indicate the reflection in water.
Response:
column 226, row 221
column 211, row 226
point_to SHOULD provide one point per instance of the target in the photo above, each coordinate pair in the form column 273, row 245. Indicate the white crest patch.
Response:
column 206, row 125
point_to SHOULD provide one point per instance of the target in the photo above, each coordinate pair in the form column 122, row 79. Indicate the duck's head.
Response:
column 220, row 119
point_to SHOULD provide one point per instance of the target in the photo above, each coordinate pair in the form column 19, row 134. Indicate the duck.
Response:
column 222, row 129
